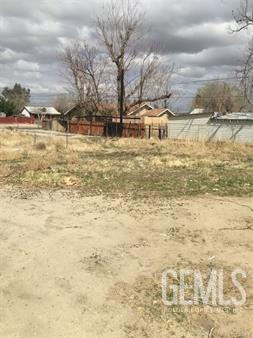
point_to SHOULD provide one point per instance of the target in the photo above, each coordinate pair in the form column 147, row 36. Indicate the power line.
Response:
column 210, row 80
column 208, row 97
column 45, row 96
column 175, row 83
column 172, row 97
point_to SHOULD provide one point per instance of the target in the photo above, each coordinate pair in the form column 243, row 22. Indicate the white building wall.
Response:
column 210, row 130
column 25, row 113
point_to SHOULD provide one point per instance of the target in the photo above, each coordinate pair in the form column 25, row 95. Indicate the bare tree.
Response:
column 244, row 19
column 140, row 76
column 120, row 72
column 86, row 68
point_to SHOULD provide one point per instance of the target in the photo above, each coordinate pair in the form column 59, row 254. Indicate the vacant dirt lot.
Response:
column 73, row 266
column 87, row 227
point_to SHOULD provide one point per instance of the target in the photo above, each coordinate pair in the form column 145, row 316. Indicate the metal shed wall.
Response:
column 202, row 128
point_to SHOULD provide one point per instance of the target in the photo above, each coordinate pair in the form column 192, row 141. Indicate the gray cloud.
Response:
column 192, row 33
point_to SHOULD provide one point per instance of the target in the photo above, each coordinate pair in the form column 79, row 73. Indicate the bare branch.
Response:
column 244, row 16
column 86, row 67
column 149, row 99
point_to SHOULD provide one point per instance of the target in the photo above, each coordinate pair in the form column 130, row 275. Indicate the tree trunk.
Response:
column 121, row 93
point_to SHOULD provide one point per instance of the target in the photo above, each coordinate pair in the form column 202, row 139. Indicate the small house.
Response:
column 40, row 112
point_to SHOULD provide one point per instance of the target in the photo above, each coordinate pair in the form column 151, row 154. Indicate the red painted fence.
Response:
column 87, row 128
column 92, row 128
column 107, row 128
column 17, row 120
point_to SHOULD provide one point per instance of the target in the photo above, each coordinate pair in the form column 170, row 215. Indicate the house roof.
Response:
column 197, row 111
column 42, row 110
column 158, row 112
column 71, row 109
column 189, row 116
column 236, row 116
column 138, row 108
column 101, row 107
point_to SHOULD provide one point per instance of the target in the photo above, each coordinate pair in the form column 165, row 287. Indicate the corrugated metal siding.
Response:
column 188, row 128
column 203, row 129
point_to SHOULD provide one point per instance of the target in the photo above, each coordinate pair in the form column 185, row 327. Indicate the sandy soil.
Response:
column 73, row 266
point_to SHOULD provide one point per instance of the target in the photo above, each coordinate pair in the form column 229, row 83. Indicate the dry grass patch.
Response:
column 128, row 165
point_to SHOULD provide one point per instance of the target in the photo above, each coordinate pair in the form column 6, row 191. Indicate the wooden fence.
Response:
column 86, row 128
column 107, row 128
column 17, row 120
column 135, row 130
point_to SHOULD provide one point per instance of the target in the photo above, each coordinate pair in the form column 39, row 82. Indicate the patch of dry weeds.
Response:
column 170, row 167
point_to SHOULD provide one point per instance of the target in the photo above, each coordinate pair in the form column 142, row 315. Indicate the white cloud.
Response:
column 26, row 66
column 7, row 55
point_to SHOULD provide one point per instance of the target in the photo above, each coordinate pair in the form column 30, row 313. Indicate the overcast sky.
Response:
column 193, row 33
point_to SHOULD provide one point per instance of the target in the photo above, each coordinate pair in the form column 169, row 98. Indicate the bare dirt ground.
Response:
column 74, row 266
